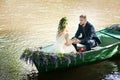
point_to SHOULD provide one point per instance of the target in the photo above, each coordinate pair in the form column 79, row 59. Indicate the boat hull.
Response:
column 45, row 62
column 83, row 58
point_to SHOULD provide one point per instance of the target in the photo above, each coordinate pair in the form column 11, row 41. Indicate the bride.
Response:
column 63, row 44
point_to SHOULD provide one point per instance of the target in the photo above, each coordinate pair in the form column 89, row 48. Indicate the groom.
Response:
column 89, row 37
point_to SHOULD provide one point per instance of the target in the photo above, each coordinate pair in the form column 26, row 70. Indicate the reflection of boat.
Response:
column 110, row 46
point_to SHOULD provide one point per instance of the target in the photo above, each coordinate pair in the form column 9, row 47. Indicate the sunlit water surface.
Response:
column 33, row 23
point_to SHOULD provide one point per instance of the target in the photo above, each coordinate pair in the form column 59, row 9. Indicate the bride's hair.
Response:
column 62, row 24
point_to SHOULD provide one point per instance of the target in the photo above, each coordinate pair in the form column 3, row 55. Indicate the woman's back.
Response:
column 61, row 38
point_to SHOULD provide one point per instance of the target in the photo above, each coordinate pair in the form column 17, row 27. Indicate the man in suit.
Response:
column 89, row 37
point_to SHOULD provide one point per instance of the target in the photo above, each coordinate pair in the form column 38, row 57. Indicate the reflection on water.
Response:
column 95, row 71
column 112, row 76
column 33, row 23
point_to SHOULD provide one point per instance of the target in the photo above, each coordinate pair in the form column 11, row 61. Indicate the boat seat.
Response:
column 81, row 46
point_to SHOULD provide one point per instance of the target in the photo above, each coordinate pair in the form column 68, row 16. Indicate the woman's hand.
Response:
column 68, row 43
column 75, row 41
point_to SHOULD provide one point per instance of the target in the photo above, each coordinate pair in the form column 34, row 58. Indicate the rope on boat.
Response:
column 45, row 46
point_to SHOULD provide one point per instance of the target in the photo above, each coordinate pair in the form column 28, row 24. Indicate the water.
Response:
column 33, row 23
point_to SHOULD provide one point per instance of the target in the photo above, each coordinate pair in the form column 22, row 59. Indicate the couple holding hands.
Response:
column 85, row 35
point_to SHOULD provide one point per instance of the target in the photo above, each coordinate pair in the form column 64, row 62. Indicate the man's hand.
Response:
column 75, row 41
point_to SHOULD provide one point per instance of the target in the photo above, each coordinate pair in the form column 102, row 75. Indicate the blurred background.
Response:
column 33, row 23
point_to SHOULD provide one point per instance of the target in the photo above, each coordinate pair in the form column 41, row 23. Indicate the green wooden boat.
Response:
column 45, row 62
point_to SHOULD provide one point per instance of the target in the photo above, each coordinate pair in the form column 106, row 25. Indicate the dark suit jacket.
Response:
column 88, row 33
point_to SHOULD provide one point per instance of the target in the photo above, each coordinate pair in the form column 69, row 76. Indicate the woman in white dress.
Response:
column 63, row 44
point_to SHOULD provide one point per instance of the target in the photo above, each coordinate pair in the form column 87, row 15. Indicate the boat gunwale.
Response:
column 108, row 33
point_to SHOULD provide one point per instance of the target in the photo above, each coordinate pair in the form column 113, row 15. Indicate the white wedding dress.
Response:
column 59, row 46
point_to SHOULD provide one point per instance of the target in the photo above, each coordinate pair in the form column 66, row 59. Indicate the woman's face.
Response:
column 65, row 24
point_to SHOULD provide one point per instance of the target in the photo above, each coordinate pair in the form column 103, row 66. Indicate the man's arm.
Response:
column 90, row 35
column 78, row 32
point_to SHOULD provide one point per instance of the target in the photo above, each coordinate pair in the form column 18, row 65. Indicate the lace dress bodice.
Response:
column 60, row 39
column 59, row 46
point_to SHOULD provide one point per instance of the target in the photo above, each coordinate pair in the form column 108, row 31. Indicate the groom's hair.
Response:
column 83, row 16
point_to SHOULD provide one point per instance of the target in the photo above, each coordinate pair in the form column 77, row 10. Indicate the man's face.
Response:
column 82, row 21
